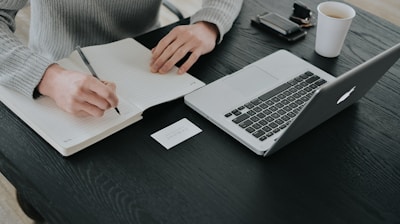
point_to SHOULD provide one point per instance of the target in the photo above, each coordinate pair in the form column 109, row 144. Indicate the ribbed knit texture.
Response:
column 57, row 26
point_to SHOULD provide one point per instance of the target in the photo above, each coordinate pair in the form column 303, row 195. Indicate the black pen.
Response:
column 86, row 61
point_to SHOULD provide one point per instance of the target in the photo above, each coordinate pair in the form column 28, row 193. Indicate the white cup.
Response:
column 334, row 20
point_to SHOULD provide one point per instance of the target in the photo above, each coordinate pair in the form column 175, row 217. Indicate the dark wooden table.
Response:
column 347, row 170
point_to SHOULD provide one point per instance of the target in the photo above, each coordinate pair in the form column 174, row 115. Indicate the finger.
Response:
column 114, row 99
column 94, row 99
column 169, row 52
column 82, row 113
column 163, row 44
column 106, row 92
column 177, row 56
column 194, row 56
column 182, row 47
column 87, row 109
column 83, row 109
column 110, row 85
column 168, row 45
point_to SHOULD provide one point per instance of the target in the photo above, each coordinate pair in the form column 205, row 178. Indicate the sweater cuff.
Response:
column 215, row 17
column 35, row 67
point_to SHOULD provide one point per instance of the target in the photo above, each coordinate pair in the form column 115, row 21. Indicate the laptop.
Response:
column 280, row 97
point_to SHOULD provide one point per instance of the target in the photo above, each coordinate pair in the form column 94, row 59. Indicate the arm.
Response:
column 21, row 69
column 221, row 13
column 30, row 73
column 208, row 26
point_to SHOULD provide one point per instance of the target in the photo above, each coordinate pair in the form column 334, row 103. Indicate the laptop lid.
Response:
column 338, row 95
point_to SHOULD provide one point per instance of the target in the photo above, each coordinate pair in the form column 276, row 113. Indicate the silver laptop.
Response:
column 280, row 97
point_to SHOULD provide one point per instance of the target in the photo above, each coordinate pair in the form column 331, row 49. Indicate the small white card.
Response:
column 176, row 133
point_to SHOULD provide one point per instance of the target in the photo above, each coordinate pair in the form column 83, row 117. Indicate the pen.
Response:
column 86, row 61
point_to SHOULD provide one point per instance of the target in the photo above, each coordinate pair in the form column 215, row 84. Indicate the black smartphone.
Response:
column 279, row 26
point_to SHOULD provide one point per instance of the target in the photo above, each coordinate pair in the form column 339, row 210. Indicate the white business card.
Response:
column 176, row 133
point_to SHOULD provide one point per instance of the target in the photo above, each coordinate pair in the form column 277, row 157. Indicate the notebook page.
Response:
column 127, row 63
column 58, row 127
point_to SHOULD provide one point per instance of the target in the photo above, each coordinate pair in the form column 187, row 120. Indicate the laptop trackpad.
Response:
column 251, row 80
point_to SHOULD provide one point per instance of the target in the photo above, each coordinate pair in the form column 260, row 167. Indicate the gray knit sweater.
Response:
column 57, row 26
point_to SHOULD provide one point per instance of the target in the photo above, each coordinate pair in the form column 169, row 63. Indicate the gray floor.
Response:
column 9, row 209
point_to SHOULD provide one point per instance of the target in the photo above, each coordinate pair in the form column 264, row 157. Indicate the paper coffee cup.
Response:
column 334, row 20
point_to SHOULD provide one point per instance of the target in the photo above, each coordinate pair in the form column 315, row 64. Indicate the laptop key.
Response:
column 241, row 118
column 276, row 130
column 250, row 130
column 279, row 105
column 312, row 79
column 279, row 121
column 269, row 119
column 320, row 82
column 236, row 112
column 269, row 134
column 258, row 133
column 309, row 73
column 249, row 105
column 257, row 109
column 275, row 91
column 228, row 114
column 245, row 124
column 261, row 115
column 256, row 126
column 273, row 125
column 263, row 105
column 255, row 118
column 251, row 112
column 304, row 76
column 256, row 101
column 263, row 123
column 267, row 129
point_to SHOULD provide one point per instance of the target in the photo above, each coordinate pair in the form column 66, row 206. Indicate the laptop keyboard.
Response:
column 266, row 115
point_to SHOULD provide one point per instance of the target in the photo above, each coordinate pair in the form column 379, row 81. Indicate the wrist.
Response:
column 48, row 83
column 211, row 27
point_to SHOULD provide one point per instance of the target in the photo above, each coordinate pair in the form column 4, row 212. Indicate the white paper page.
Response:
column 59, row 127
column 127, row 63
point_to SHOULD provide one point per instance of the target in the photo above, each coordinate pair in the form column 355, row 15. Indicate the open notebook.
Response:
column 125, row 62
column 271, row 102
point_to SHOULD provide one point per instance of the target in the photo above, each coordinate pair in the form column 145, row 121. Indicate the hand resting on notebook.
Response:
column 197, row 39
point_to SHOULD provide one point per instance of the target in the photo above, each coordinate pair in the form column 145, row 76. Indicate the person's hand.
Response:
column 77, row 93
column 197, row 39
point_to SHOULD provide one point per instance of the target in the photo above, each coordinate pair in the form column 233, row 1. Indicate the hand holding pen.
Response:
column 77, row 93
column 89, row 66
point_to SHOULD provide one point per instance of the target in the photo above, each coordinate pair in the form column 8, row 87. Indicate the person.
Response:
column 58, row 26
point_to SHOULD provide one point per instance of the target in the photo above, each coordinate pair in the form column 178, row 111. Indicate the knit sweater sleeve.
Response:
column 20, row 68
column 222, row 13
